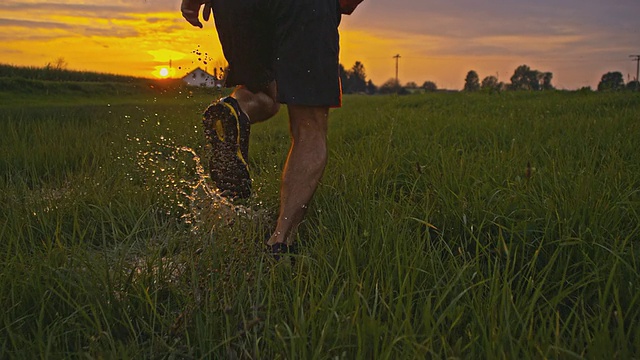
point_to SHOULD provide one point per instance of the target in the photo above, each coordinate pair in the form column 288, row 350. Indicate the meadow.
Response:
column 447, row 225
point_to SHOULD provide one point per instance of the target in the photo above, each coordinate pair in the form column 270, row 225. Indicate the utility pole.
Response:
column 636, row 58
column 397, row 57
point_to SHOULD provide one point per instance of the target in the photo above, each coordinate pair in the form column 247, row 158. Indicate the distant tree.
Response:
column 429, row 86
column 472, row 81
column 490, row 83
column 358, row 77
column 353, row 80
column 545, row 78
column 633, row 85
column 411, row 85
column 611, row 81
column 371, row 88
column 390, row 86
column 525, row 79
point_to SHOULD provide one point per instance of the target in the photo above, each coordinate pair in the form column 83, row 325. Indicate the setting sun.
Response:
column 163, row 72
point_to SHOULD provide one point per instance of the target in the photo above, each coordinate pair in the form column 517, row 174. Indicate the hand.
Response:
column 190, row 9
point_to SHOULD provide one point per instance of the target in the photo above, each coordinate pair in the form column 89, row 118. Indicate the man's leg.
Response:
column 259, row 105
column 303, row 169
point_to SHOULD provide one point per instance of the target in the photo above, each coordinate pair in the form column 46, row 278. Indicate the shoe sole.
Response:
column 227, row 165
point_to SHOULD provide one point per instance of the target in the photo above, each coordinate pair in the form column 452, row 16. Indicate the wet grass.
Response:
column 446, row 226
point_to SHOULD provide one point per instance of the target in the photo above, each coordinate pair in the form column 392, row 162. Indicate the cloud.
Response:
column 11, row 29
column 468, row 20
column 439, row 40
column 33, row 24
column 166, row 55
column 81, row 10
column 93, row 7
column 37, row 21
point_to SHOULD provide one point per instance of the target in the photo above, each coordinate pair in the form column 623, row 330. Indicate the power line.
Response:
column 636, row 58
column 397, row 57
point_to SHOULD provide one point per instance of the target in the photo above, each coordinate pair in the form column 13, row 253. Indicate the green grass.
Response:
column 428, row 237
column 28, row 86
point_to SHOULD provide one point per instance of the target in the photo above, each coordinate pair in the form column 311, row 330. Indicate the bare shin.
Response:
column 303, row 169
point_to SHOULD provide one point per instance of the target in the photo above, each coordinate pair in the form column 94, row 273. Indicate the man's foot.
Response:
column 227, row 128
column 278, row 250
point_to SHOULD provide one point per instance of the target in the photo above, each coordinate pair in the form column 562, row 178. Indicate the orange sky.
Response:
column 578, row 40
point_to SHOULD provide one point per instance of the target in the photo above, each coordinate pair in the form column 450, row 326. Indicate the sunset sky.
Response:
column 440, row 41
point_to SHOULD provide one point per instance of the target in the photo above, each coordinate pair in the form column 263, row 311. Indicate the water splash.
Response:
column 177, row 174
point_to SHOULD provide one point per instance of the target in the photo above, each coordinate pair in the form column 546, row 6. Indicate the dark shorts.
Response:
column 294, row 42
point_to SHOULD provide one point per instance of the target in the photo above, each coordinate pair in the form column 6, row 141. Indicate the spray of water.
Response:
column 177, row 174
column 174, row 172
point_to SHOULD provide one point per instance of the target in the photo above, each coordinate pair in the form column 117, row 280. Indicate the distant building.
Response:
column 199, row 77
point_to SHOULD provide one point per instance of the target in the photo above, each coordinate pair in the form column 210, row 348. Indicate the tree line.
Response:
column 354, row 81
column 523, row 78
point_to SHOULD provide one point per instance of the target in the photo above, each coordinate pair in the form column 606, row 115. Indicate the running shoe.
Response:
column 226, row 129
column 280, row 250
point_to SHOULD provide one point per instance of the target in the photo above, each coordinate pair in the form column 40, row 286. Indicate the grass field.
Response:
column 447, row 226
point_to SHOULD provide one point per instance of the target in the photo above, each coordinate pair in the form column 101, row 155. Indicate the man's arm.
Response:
column 191, row 8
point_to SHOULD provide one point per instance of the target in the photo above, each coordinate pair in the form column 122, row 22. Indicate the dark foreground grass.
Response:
column 447, row 225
